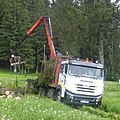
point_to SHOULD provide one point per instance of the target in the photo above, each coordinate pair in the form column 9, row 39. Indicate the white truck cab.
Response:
column 81, row 82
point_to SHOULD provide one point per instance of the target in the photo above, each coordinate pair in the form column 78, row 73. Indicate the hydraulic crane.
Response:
column 47, row 24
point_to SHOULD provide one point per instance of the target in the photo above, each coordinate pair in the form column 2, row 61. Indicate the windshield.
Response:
column 76, row 70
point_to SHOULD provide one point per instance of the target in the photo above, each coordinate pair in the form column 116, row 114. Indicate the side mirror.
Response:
column 61, row 69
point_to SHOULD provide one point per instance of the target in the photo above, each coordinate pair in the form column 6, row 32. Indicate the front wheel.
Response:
column 58, row 96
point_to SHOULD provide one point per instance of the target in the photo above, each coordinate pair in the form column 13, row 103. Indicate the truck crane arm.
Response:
column 48, row 28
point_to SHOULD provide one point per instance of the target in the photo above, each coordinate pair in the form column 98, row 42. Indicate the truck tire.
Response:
column 50, row 93
column 58, row 95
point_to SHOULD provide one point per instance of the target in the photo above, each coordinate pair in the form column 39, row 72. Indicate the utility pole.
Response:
column 44, row 54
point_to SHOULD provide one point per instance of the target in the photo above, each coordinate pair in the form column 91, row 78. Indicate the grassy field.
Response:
column 9, row 77
column 32, row 107
column 35, row 108
column 111, row 99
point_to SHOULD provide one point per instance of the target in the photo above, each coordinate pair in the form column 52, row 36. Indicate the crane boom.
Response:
column 48, row 28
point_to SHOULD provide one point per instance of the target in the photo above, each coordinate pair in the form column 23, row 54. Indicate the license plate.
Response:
column 84, row 101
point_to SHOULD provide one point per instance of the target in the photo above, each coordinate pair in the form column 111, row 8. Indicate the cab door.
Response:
column 62, row 78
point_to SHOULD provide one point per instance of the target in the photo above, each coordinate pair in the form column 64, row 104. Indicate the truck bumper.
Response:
column 75, row 99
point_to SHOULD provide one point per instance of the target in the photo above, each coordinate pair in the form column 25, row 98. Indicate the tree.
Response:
column 83, row 28
column 64, row 25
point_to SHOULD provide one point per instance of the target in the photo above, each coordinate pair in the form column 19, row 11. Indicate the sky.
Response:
column 115, row 0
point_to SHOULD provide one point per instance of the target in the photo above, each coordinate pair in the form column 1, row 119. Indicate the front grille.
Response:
column 85, row 88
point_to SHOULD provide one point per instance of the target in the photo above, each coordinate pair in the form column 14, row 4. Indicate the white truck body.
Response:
column 81, row 82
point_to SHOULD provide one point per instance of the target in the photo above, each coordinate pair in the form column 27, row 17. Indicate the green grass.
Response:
column 111, row 98
column 9, row 77
column 35, row 108
column 32, row 107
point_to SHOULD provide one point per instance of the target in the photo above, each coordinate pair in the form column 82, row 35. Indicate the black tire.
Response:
column 50, row 93
column 58, row 95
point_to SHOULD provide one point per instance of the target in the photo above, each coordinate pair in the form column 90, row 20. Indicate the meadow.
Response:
column 111, row 98
column 8, row 77
column 33, row 107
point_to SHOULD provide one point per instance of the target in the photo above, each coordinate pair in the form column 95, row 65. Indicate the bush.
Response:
column 46, row 76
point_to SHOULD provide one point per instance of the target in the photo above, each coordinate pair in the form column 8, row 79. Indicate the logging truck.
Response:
column 73, row 81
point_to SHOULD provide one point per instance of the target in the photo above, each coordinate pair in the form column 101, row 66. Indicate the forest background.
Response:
column 83, row 28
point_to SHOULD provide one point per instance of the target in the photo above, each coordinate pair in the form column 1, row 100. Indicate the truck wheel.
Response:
column 50, row 93
column 58, row 96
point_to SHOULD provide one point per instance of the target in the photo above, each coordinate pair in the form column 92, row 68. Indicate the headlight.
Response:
column 69, row 96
